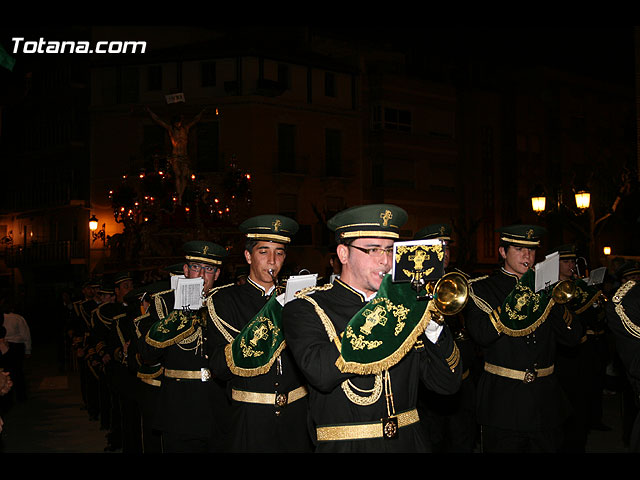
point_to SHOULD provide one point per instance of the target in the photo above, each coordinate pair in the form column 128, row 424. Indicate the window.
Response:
column 154, row 77
column 286, row 148
column 329, row 84
column 284, row 76
column 333, row 153
column 208, row 74
column 391, row 119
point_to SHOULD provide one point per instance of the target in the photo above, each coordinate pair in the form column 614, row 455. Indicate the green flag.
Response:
column 6, row 60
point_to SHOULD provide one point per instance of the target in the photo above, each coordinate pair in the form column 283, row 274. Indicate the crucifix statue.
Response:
column 178, row 132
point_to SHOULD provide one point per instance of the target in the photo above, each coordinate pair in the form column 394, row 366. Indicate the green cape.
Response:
column 384, row 330
column 524, row 310
column 259, row 343
column 175, row 327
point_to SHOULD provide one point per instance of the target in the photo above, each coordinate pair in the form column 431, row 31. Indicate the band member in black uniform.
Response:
column 267, row 390
column 80, row 329
column 521, row 406
column 580, row 368
column 623, row 318
column 450, row 419
column 188, row 411
column 357, row 405
column 108, row 347
column 97, row 358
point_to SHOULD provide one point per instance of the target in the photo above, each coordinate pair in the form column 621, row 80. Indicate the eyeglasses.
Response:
column 374, row 252
column 196, row 267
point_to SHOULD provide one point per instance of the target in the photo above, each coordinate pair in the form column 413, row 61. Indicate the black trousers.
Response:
column 501, row 440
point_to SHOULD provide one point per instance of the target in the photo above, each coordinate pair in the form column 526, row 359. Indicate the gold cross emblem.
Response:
column 377, row 316
column 259, row 333
column 386, row 216
column 276, row 225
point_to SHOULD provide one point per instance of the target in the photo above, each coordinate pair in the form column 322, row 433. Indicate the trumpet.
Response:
column 564, row 291
column 449, row 294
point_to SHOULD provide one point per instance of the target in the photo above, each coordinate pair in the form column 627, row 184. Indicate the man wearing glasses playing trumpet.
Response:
column 362, row 346
column 191, row 402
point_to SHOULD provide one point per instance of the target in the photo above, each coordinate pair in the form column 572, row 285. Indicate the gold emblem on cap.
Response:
column 276, row 225
column 442, row 230
column 529, row 233
column 205, row 249
column 386, row 216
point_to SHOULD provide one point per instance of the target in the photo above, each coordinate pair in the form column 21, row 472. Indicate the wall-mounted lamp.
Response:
column 95, row 233
column 606, row 250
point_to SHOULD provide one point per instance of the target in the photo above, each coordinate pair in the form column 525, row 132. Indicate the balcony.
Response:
column 49, row 253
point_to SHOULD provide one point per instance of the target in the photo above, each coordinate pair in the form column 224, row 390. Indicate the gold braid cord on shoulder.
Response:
column 494, row 314
column 632, row 328
column 326, row 322
column 223, row 327
column 161, row 308
column 136, row 323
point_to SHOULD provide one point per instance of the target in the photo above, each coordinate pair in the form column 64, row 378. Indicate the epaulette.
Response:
column 618, row 297
column 161, row 307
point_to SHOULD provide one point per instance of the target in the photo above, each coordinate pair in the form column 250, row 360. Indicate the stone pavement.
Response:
column 52, row 419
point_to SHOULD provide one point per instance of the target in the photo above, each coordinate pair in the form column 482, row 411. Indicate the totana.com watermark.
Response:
column 20, row 45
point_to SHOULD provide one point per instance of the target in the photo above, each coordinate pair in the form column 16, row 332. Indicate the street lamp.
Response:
column 583, row 199
column 538, row 200
column 95, row 233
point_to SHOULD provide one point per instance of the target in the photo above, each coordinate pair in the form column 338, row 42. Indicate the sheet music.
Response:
column 295, row 283
column 547, row 271
column 188, row 293
column 174, row 281
column 597, row 276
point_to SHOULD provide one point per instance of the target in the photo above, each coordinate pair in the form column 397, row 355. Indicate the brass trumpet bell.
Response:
column 564, row 292
column 450, row 293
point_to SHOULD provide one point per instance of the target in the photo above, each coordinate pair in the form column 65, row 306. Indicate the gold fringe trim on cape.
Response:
column 530, row 328
column 393, row 358
column 251, row 372
column 632, row 328
column 172, row 341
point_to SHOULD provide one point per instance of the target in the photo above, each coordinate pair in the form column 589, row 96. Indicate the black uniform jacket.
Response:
column 316, row 354
column 256, row 427
column 185, row 406
column 510, row 403
column 623, row 318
